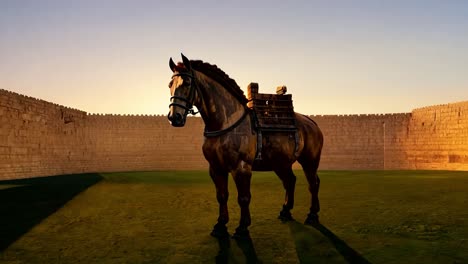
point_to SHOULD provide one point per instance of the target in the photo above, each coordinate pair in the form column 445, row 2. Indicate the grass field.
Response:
column 166, row 217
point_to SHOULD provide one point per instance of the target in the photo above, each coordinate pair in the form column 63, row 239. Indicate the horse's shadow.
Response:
column 314, row 244
column 317, row 244
column 246, row 245
column 224, row 250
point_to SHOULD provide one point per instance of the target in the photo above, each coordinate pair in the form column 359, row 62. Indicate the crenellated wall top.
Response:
column 456, row 106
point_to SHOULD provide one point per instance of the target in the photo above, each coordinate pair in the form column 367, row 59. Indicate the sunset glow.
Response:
column 340, row 57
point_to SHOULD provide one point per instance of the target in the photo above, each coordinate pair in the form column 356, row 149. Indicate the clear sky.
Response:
column 335, row 57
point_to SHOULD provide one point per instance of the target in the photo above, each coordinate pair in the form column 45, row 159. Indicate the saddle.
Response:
column 272, row 113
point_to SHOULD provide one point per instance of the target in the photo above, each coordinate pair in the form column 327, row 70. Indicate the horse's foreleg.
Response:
column 314, row 184
column 220, row 179
column 242, row 177
column 289, row 183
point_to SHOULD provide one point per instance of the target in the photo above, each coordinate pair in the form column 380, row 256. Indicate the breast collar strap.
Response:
column 221, row 132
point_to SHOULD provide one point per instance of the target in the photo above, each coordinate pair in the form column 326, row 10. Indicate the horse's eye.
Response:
column 170, row 84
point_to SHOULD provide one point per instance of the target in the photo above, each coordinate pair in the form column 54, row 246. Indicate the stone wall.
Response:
column 143, row 143
column 361, row 141
column 429, row 138
column 38, row 138
column 437, row 137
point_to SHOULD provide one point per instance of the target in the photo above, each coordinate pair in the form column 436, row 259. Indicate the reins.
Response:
column 188, row 101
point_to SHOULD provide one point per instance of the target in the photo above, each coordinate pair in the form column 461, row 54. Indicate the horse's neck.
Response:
column 218, row 108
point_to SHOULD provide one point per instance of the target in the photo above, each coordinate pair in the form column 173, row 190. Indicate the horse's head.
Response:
column 182, row 88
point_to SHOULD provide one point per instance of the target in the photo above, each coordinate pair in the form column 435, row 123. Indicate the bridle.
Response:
column 188, row 107
column 191, row 100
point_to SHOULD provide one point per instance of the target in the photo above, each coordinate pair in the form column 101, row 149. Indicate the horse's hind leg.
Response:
column 289, row 183
column 220, row 179
column 310, row 171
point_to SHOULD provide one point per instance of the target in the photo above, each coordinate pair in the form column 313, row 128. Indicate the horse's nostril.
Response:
column 176, row 119
column 174, row 116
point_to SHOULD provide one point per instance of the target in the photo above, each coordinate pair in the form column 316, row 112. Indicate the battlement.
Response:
column 456, row 105
column 11, row 97
column 368, row 116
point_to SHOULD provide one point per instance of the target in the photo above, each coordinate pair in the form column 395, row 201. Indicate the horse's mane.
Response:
column 219, row 76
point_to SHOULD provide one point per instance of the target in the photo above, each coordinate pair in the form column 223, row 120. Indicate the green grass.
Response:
column 166, row 217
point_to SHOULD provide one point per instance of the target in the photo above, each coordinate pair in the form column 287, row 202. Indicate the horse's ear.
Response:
column 172, row 65
column 186, row 62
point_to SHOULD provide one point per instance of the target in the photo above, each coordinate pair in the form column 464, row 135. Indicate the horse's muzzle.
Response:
column 176, row 119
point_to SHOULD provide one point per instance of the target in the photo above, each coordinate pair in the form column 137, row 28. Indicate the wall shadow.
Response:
column 318, row 244
column 26, row 202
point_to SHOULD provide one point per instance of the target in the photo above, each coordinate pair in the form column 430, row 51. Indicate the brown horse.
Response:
column 230, row 141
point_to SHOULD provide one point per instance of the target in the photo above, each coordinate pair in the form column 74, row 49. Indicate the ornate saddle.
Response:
column 273, row 113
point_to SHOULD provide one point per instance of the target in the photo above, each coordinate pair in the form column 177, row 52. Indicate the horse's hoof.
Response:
column 312, row 219
column 241, row 233
column 219, row 231
column 285, row 216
